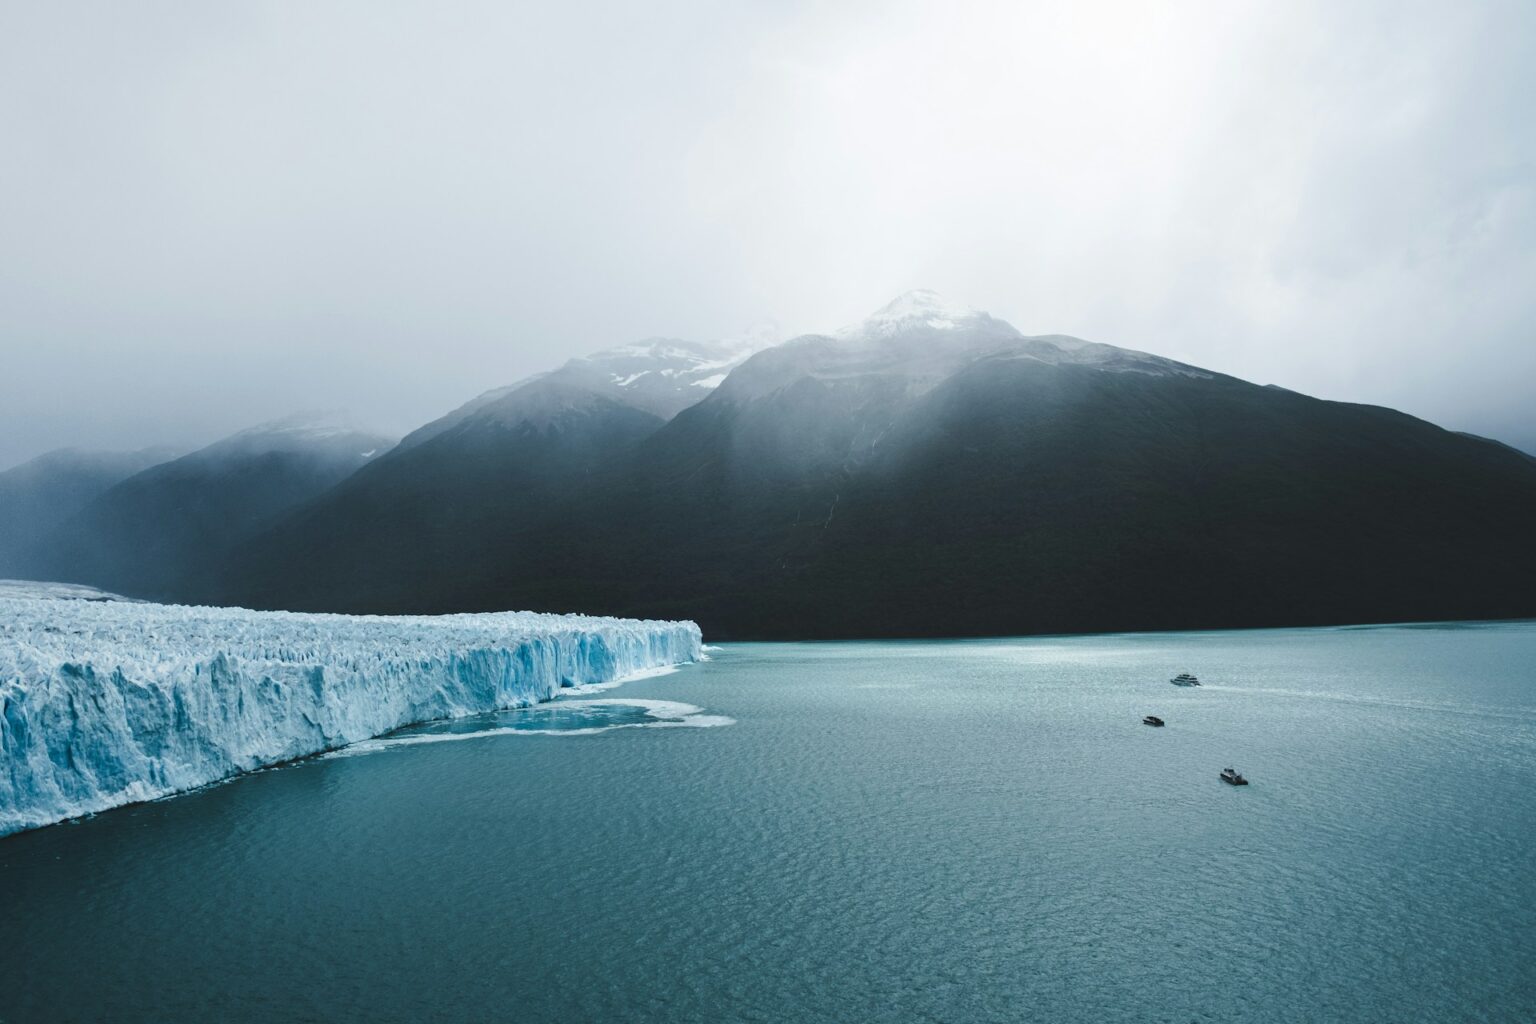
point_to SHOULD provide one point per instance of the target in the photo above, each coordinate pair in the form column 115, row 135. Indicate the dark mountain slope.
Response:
column 37, row 496
column 163, row 533
column 1023, row 496
column 404, row 532
column 418, row 527
column 933, row 472
column 1045, row 498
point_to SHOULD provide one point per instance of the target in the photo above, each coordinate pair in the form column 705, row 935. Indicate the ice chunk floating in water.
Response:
column 104, row 703
column 562, row 717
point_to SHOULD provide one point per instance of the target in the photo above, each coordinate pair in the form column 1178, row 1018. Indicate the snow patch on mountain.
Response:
column 661, row 376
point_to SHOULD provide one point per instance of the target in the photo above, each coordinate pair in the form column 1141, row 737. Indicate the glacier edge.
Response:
column 106, row 703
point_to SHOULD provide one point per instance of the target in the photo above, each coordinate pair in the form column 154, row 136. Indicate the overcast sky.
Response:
column 213, row 214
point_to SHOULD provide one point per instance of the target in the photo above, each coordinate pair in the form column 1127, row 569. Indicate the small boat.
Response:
column 1184, row 679
column 1152, row 720
column 1232, row 777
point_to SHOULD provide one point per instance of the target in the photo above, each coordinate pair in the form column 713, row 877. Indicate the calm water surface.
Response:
column 921, row 831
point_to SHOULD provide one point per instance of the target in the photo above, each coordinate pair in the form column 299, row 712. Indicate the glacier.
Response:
column 108, row 702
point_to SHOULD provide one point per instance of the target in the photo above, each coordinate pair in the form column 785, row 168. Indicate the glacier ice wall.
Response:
column 104, row 703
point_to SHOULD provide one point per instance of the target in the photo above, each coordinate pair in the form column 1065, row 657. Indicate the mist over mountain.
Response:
column 166, row 531
column 502, row 464
column 36, row 496
column 927, row 471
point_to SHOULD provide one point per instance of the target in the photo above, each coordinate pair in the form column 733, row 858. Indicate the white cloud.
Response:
column 218, row 214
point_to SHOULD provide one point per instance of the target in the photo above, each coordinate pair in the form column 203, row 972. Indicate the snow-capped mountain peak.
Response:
column 917, row 309
column 660, row 376
column 683, row 361
column 663, row 375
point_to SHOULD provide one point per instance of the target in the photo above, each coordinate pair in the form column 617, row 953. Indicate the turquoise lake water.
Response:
column 917, row 831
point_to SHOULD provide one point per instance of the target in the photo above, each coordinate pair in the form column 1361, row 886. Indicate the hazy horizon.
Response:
column 220, row 215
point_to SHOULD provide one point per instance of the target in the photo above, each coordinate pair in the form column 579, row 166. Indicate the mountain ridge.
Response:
column 38, row 494
column 933, row 471
column 160, row 532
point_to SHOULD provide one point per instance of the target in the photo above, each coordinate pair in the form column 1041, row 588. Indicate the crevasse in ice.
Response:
column 104, row 703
